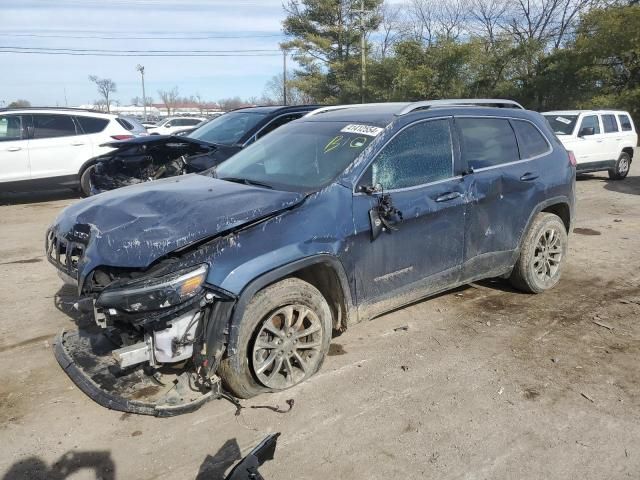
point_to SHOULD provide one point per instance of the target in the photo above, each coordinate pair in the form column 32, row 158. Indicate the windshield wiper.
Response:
column 246, row 181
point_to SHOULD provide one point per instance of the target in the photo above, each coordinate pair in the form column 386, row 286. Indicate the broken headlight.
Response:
column 155, row 293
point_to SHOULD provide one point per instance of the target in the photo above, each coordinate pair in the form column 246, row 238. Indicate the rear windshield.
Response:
column 227, row 129
column 562, row 124
column 300, row 156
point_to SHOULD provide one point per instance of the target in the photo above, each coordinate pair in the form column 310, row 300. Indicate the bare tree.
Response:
column 137, row 101
column 488, row 16
column 544, row 20
column 106, row 87
column 393, row 27
column 274, row 92
column 20, row 103
column 433, row 20
column 169, row 98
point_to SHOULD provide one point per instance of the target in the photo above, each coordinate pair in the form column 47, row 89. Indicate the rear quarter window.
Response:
column 531, row 142
column 92, row 124
column 124, row 124
column 487, row 142
column 625, row 123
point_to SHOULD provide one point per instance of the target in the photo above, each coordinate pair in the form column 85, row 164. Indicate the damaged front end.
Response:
column 156, row 343
column 152, row 158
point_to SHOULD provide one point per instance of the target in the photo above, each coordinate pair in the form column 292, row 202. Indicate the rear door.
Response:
column 14, row 153
column 612, row 137
column 57, row 147
column 417, row 170
column 504, row 187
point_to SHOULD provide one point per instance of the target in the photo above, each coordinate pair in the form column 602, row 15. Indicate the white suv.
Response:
column 52, row 147
column 173, row 124
column 600, row 139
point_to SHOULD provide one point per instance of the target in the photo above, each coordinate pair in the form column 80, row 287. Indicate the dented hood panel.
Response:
column 134, row 226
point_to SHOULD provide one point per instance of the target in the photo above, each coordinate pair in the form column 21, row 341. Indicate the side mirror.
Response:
column 370, row 189
column 167, row 125
column 586, row 131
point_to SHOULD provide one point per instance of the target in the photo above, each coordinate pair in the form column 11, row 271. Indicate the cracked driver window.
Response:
column 420, row 154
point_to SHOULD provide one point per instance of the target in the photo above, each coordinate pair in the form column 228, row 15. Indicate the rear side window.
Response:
column 590, row 121
column 609, row 123
column 420, row 154
column 530, row 141
column 487, row 142
column 625, row 123
column 190, row 121
column 51, row 126
column 10, row 128
column 92, row 124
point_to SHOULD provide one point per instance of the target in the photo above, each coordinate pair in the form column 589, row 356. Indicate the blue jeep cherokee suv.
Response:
column 243, row 272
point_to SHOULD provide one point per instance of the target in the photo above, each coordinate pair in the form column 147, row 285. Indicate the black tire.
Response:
column 621, row 170
column 85, row 181
column 237, row 371
column 530, row 273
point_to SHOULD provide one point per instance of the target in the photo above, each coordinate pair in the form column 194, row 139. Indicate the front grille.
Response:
column 64, row 254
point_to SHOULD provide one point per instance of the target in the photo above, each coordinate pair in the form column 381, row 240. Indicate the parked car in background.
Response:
column 243, row 271
column 154, row 157
column 51, row 147
column 172, row 124
column 601, row 140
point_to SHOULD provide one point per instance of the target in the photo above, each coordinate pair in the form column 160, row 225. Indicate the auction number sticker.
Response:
column 363, row 130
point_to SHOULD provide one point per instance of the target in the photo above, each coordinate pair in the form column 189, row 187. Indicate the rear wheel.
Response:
column 85, row 181
column 542, row 255
column 284, row 337
column 621, row 170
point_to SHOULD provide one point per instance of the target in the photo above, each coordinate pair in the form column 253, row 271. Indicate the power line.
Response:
column 98, row 54
column 114, row 37
column 98, row 50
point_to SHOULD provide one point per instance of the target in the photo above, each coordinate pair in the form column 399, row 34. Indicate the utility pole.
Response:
column 284, row 75
column 140, row 68
column 363, row 53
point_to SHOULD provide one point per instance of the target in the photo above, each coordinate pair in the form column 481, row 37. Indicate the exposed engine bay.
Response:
column 152, row 158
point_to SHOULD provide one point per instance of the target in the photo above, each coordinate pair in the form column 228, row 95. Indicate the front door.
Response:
column 424, row 254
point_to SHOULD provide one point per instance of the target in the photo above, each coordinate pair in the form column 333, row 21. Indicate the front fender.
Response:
column 279, row 273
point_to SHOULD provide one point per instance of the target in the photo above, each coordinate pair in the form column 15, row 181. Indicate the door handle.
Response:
column 527, row 177
column 77, row 144
column 14, row 149
column 445, row 197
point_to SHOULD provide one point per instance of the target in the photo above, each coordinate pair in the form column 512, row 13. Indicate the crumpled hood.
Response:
column 133, row 226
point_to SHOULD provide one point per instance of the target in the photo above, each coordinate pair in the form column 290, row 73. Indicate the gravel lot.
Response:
column 483, row 383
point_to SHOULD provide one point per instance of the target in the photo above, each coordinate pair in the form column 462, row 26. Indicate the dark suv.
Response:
column 159, row 156
column 243, row 271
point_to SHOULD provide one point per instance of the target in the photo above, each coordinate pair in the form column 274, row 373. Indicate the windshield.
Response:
column 301, row 156
column 227, row 129
column 562, row 124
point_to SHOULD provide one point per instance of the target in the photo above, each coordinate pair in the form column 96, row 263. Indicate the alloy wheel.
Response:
column 547, row 255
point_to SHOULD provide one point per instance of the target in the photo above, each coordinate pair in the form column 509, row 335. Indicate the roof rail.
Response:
column 73, row 109
column 321, row 110
column 460, row 102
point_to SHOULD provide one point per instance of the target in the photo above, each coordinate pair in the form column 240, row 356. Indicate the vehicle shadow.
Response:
column 34, row 468
column 215, row 466
column 65, row 300
column 630, row 185
column 25, row 198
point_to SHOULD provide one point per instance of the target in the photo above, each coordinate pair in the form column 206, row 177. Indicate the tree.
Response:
column 169, row 98
column 19, row 104
column 326, row 41
column 137, row 101
column 274, row 91
column 227, row 104
column 106, row 87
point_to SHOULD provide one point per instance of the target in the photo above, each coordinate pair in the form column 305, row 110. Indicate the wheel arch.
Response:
column 323, row 271
column 629, row 151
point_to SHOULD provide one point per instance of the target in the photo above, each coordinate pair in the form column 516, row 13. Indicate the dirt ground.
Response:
column 483, row 383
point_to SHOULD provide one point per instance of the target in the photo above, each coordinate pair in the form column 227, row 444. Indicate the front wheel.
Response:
column 283, row 340
column 621, row 170
column 542, row 255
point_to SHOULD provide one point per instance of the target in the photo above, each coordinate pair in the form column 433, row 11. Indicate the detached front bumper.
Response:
column 87, row 359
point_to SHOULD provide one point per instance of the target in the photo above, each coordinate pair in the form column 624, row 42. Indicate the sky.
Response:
column 165, row 25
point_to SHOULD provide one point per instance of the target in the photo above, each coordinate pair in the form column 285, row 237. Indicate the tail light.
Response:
column 572, row 158
column 122, row 137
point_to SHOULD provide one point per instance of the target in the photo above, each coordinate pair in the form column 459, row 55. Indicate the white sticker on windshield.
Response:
column 363, row 129
column 563, row 120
